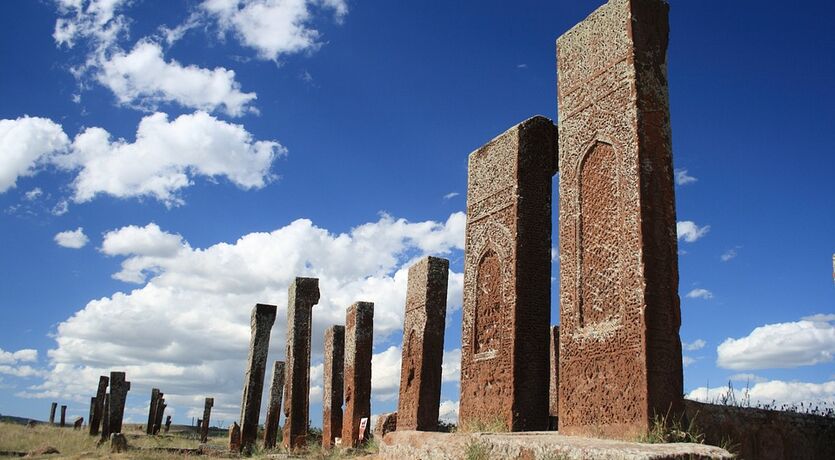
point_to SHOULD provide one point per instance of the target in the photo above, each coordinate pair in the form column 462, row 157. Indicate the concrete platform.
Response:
column 531, row 446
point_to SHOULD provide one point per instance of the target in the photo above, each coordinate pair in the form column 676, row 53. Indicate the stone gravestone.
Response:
column 152, row 407
column 507, row 279
column 167, row 424
column 554, row 386
column 158, row 413
column 98, row 408
column 359, row 335
column 63, row 416
column 119, row 388
column 303, row 294
column 207, row 415
column 620, row 360
column 334, row 369
column 423, row 345
column 261, row 323
column 234, row 437
column 92, row 409
column 52, row 408
column 386, row 423
column 271, row 425
column 78, row 423
column 105, row 419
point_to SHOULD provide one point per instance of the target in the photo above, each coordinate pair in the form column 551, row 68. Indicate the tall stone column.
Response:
column 207, row 415
column 620, row 351
column 303, row 294
column 359, row 337
column 63, row 416
column 158, row 413
column 119, row 388
column 105, row 418
column 261, row 323
column 52, row 408
column 152, row 407
column 423, row 345
column 92, row 409
column 98, row 409
column 333, row 385
column 271, row 426
column 554, row 387
column 507, row 278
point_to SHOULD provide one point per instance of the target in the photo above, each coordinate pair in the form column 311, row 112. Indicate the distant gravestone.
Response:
column 52, row 409
column 234, row 437
column 207, row 414
column 97, row 411
column 271, row 425
column 333, row 382
column 152, row 406
column 167, row 423
column 63, row 416
column 119, row 388
column 78, row 423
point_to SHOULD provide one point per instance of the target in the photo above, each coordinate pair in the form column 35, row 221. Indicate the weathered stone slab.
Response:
column 507, row 278
column 334, row 369
column 207, row 415
column 105, row 419
column 52, row 409
column 118, row 443
column 167, row 423
column 92, row 409
column 554, row 384
column 98, row 408
column 234, row 437
column 423, row 345
column 119, row 388
column 359, row 335
column 261, row 323
column 386, row 423
column 272, row 425
column 302, row 295
column 152, row 407
column 620, row 352
column 158, row 413
column 63, row 416
column 78, row 423
column 540, row 445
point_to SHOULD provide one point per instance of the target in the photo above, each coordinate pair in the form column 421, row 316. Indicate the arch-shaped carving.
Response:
column 598, row 235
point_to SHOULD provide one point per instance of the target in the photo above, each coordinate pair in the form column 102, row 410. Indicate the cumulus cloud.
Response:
column 25, row 144
column 94, row 20
column 697, row 344
column 774, row 391
column 689, row 231
column 781, row 345
column 143, row 78
column 682, row 178
column 699, row 293
column 73, row 239
column 186, row 329
column 11, row 363
column 448, row 411
column 166, row 156
column 33, row 194
column 24, row 355
column 273, row 28
column 747, row 378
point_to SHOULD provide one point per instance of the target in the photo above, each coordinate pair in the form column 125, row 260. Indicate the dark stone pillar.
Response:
column 152, row 407
column 167, row 423
column 359, row 335
column 303, row 294
column 105, row 419
column 207, row 415
column 52, row 409
column 63, row 416
column 98, row 409
column 119, row 388
column 333, row 385
column 234, row 437
column 271, row 426
column 423, row 345
column 92, row 410
column 158, row 413
column 261, row 323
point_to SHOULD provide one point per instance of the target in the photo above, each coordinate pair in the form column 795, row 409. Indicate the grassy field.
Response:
column 79, row 445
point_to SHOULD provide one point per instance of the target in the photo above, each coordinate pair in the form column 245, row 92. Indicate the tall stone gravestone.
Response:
column 271, row 425
column 507, row 278
column 119, row 388
column 334, row 368
column 302, row 295
column 98, row 408
column 261, row 323
column 359, row 338
column 620, row 352
column 207, row 415
column 423, row 345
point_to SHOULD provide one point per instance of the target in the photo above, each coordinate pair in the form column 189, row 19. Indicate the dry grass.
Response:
column 487, row 425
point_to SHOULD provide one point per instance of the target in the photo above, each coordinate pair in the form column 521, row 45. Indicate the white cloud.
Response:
column 821, row 317
column 451, row 369
column 448, row 411
column 451, row 195
column 687, row 360
column 143, row 78
column 682, row 178
column 26, row 143
column 781, row 345
column 21, row 371
column 748, row 378
column 697, row 344
column 273, row 27
column 166, row 156
column 95, row 20
column 203, row 297
column 24, row 355
column 728, row 255
column 699, row 293
column 777, row 391
column 689, row 231
column 33, row 194
column 73, row 239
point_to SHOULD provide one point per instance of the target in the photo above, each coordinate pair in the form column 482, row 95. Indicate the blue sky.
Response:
column 209, row 151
